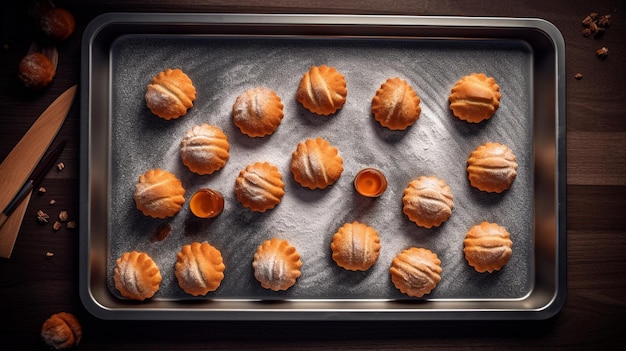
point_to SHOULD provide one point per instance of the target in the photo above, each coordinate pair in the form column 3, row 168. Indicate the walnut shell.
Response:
column 322, row 90
column 61, row 331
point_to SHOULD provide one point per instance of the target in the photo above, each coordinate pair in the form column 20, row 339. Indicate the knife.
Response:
column 34, row 180
column 17, row 167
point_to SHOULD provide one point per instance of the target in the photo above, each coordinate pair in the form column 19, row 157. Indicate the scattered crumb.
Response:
column 42, row 190
column 578, row 76
column 602, row 52
column 53, row 201
column 49, row 255
column 71, row 225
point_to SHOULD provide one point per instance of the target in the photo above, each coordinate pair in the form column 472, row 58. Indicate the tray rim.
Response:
column 355, row 310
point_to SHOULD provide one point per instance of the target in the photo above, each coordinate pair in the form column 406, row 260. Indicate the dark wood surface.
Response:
column 32, row 287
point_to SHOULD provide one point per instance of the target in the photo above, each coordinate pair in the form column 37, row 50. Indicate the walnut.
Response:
column 71, row 225
column 56, row 226
column 42, row 217
column 602, row 52
column 63, row 216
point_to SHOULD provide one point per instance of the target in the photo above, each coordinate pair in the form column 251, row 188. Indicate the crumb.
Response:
column 578, row 76
column 602, row 52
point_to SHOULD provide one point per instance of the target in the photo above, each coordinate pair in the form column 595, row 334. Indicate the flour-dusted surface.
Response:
column 437, row 144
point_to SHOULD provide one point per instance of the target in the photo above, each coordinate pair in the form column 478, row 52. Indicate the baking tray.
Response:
column 224, row 54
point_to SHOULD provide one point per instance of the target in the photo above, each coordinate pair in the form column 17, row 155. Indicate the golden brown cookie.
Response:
column 396, row 105
column 199, row 268
column 170, row 94
column 487, row 247
column 416, row 271
column 492, row 167
column 159, row 194
column 36, row 71
column 136, row 276
column 57, row 23
column 259, row 186
column 276, row 264
column 355, row 246
column 475, row 98
column 428, row 201
column 316, row 164
column 258, row 112
column 61, row 331
column 322, row 90
column 204, row 149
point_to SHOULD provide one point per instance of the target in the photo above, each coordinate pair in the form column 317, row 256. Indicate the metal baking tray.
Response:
column 224, row 54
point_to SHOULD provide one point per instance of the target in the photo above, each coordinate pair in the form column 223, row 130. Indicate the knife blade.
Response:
column 21, row 161
column 34, row 180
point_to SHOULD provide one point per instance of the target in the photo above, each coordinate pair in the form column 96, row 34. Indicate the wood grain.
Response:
column 22, row 160
column 32, row 286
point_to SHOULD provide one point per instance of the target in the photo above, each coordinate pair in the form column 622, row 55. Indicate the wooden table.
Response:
column 32, row 286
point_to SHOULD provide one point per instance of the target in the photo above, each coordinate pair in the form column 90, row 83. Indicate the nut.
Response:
column 578, row 76
column 42, row 190
column 60, row 166
column 56, row 226
column 71, row 225
column 49, row 255
column 53, row 201
column 604, row 21
column 602, row 52
column 63, row 216
column 42, row 217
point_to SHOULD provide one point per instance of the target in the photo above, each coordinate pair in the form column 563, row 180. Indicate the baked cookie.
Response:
column 170, row 94
column 322, row 90
column 57, row 23
column 355, row 246
column 36, row 71
column 159, row 194
column 492, row 167
column 258, row 112
column 61, row 331
column 276, row 264
column 475, row 98
column 136, row 276
column 204, row 149
column 259, row 186
column 396, row 105
column 428, row 201
column 487, row 247
column 316, row 164
column 416, row 271
column 199, row 268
